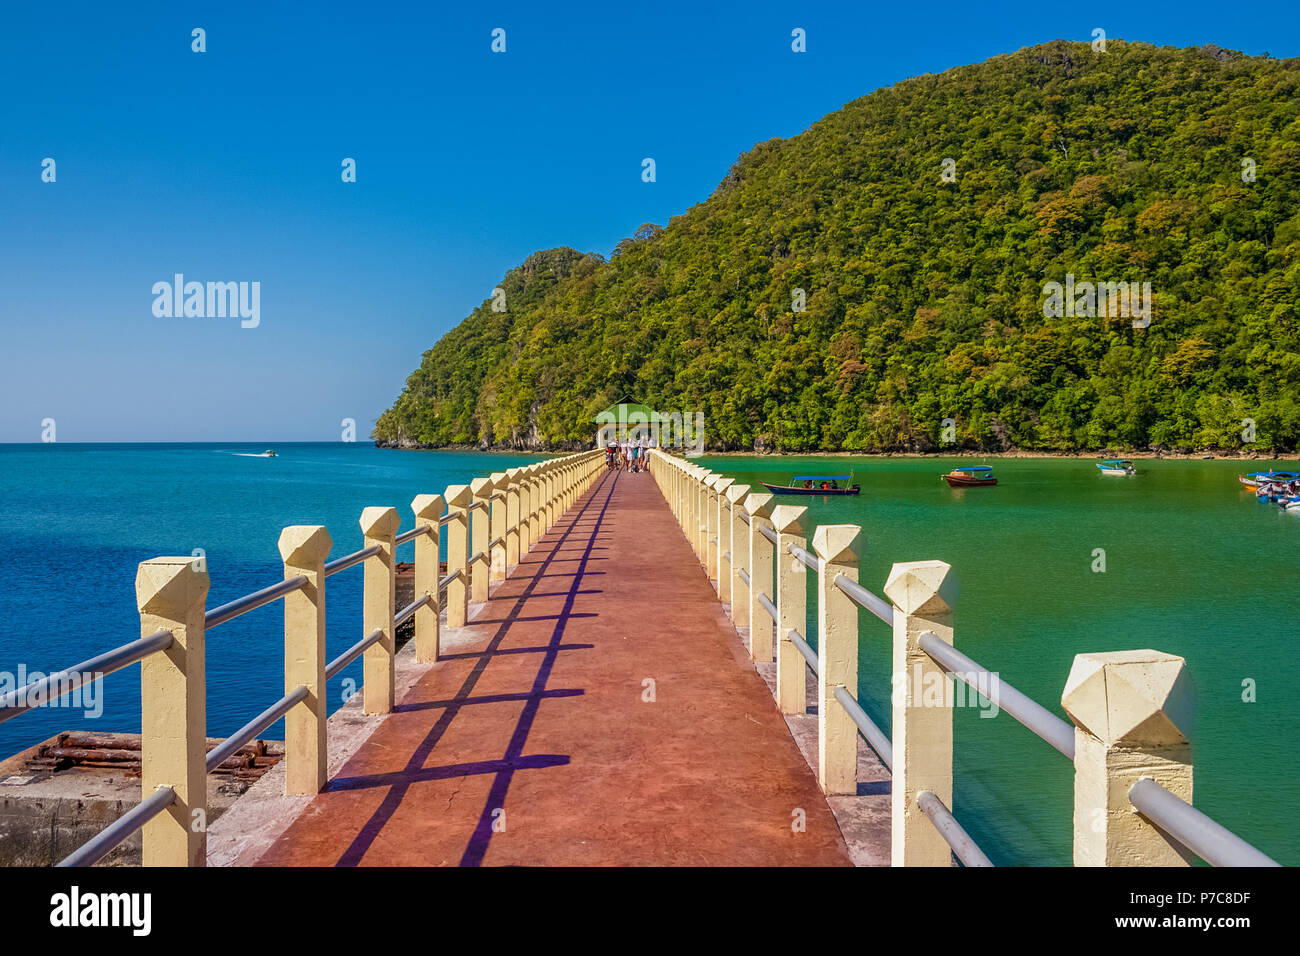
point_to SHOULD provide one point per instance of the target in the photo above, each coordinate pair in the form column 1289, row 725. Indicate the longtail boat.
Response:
column 1117, row 466
column 814, row 485
column 976, row 476
column 1256, row 478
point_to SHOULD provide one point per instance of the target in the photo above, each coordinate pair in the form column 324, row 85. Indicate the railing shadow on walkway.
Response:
column 504, row 768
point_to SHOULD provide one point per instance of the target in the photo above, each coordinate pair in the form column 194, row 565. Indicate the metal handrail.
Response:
column 66, row 681
column 352, row 653
column 873, row 735
column 865, row 599
column 349, row 560
column 446, row 519
column 414, row 533
column 1215, row 844
column 220, row 753
column 1024, row 709
column 768, row 533
column 810, row 561
column 952, row 832
column 408, row 612
column 803, row 648
column 766, row 604
column 251, row 602
column 448, row 578
column 497, row 543
column 98, row 846
column 743, row 516
column 743, row 575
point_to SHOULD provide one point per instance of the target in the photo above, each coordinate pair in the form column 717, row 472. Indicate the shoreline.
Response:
column 1207, row 455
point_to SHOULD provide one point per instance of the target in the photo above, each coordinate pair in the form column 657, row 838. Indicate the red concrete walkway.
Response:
column 534, row 745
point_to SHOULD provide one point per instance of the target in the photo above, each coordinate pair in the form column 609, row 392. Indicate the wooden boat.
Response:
column 1255, row 478
column 1117, row 466
column 815, row 485
column 976, row 476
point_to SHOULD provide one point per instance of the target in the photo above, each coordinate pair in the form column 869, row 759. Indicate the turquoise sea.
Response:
column 1194, row 566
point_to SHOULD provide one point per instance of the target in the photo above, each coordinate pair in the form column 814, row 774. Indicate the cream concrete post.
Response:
column 722, row 530
column 428, row 514
column 791, row 608
column 458, row 500
column 524, row 484
column 551, row 478
column 699, row 519
column 710, row 529
column 737, row 595
column 1131, row 710
column 837, row 545
column 537, row 499
column 497, row 527
column 923, row 593
column 304, row 549
column 515, row 492
column 759, row 506
column 479, row 536
column 379, row 592
column 170, row 593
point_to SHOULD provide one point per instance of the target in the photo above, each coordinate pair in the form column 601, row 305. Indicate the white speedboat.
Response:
column 1117, row 466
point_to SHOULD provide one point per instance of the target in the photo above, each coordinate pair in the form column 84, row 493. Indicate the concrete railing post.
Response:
column 791, row 608
column 1130, row 711
column 458, row 501
column 379, row 586
column 428, row 548
column 498, row 508
column 514, row 496
column 699, row 512
column 173, row 730
column 759, row 506
column 304, row 549
column 738, row 533
column 480, row 525
column 923, row 593
column 722, row 531
column 837, row 546
column 525, row 511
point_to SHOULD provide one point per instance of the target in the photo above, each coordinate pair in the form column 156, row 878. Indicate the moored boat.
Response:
column 975, row 476
column 815, row 485
column 1255, row 478
column 1117, row 466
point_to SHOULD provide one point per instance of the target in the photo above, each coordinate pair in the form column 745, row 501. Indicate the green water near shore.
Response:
column 1194, row 567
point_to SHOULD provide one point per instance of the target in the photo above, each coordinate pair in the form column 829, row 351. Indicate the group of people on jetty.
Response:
column 630, row 454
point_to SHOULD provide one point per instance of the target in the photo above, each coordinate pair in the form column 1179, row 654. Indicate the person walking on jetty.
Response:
column 611, row 456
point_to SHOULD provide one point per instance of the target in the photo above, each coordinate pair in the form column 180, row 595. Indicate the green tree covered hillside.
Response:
column 925, row 299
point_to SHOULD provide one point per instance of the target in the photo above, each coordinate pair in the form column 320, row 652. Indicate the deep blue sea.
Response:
column 76, row 520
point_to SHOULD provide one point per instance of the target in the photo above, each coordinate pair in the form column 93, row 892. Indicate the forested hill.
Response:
column 925, row 299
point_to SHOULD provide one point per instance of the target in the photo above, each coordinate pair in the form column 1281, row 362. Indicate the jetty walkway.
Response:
column 598, row 709
column 588, row 684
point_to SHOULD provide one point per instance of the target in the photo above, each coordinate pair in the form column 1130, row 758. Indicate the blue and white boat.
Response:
column 1117, row 466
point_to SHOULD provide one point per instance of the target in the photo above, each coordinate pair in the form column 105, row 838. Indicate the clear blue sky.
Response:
column 225, row 166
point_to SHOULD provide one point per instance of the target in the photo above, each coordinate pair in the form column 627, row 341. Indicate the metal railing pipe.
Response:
column 1215, row 844
column 411, row 535
column 247, row 733
column 250, row 602
column 809, row 560
column 952, row 832
column 98, row 846
column 408, row 612
column 871, row 733
column 65, row 681
column 766, row 604
column 352, row 653
column 803, row 648
column 865, row 599
column 350, row 560
column 1027, row 711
